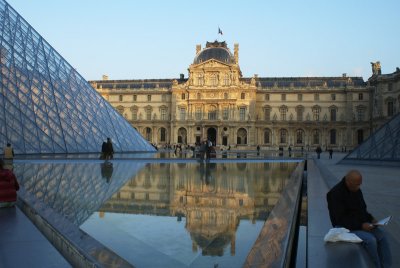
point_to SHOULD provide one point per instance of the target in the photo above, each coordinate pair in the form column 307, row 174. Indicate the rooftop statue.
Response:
column 376, row 68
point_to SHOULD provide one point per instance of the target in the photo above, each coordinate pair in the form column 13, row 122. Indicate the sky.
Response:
column 156, row 39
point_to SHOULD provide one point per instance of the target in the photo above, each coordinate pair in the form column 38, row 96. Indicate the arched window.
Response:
column 315, row 136
column 299, row 136
column 182, row 135
column 283, row 136
column 148, row 133
column 332, row 134
column 360, row 136
column 242, row 136
column 163, row 135
column 267, row 136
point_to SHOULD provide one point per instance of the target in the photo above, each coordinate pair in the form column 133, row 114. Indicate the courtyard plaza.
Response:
column 23, row 245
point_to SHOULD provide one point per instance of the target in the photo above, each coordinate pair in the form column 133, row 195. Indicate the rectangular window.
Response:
column 299, row 97
column 390, row 109
column 266, row 97
column 134, row 115
column 134, row 97
column 182, row 113
column 333, row 96
column 198, row 113
column 183, row 96
column 148, row 114
column 333, row 115
column 283, row 115
column 300, row 115
column 163, row 114
column 163, row 97
column 212, row 115
column 360, row 114
column 267, row 114
column 316, row 115
column 225, row 113
column 316, row 96
column 360, row 96
column 242, row 113
column 283, row 97
column 148, row 97
column 121, row 98
column 390, row 87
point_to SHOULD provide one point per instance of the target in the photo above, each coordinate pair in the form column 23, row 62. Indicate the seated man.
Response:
column 347, row 209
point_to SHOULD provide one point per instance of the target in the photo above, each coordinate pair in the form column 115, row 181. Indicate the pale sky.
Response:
column 156, row 39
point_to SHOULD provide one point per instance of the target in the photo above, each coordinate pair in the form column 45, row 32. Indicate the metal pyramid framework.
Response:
column 383, row 145
column 46, row 106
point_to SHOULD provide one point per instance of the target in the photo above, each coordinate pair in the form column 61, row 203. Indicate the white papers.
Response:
column 341, row 234
column 384, row 221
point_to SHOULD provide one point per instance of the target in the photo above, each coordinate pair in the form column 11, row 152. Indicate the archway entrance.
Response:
column 212, row 135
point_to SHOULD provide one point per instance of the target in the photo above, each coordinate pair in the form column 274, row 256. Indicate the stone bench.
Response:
column 319, row 253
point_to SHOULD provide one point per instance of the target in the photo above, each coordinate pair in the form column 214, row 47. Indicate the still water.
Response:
column 164, row 214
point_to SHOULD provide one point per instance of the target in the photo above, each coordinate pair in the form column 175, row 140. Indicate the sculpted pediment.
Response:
column 211, row 64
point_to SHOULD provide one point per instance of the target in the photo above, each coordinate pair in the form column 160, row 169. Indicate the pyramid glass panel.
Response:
column 46, row 106
column 383, row 145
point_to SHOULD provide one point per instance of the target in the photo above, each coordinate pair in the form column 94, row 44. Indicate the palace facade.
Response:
column 218, row 103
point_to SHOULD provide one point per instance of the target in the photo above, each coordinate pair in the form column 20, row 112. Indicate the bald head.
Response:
column 353, row 180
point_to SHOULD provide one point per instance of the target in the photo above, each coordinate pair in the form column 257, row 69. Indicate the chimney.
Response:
column 344, row 75
column 182, row 76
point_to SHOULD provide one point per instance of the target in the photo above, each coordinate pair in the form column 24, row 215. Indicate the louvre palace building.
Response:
column 218, row 103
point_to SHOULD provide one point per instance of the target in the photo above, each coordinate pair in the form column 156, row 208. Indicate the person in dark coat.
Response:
column 348, row 209
column 103, row 150
column 8, row 187
column 109, row 149
column 318, row 151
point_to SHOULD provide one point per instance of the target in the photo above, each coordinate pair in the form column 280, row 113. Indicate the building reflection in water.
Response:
column 213, row 198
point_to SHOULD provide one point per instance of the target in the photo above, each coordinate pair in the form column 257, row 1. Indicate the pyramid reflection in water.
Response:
column 46, row 106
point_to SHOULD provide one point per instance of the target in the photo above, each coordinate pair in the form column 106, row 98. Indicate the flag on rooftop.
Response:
column 219, row 31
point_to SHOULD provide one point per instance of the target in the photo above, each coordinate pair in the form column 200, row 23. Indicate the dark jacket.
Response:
column 347, row 209
column 8, row 186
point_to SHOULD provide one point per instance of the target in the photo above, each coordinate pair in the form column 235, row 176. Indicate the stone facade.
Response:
column 216, row 102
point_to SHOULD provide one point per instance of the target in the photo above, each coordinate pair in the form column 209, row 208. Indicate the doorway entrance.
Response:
column 212, row 135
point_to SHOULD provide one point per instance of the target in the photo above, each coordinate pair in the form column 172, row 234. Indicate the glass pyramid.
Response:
column 383, row 145
column 46, row 106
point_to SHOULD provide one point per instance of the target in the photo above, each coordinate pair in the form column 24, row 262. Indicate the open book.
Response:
column 384, row 221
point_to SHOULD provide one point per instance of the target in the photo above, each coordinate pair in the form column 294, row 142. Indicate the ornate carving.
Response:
column 376, row 68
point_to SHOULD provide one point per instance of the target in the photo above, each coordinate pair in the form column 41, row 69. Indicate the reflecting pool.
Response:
column 189, row 214
column 163, row 214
